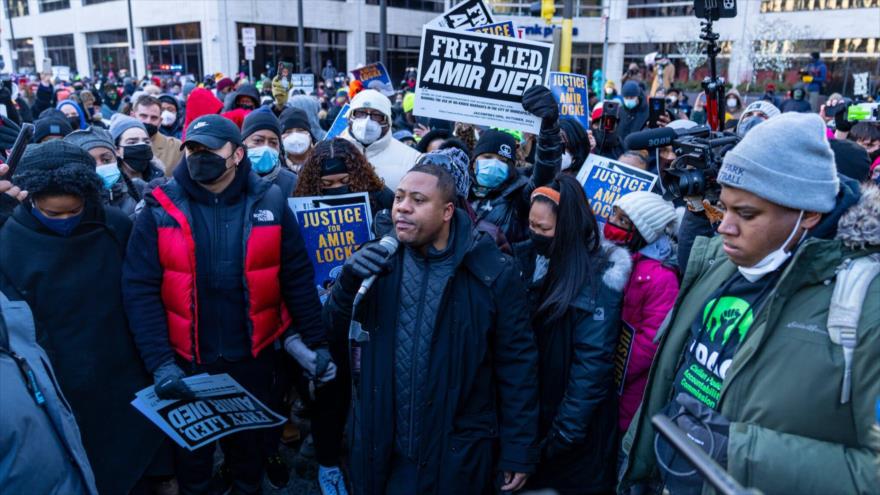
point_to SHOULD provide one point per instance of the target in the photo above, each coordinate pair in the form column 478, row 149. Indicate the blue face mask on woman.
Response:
column 263, row 159
column 61, row 226
column 491, row 172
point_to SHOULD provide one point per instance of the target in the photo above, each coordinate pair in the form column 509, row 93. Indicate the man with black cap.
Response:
column 262, row 136
column 297, row 137
column 216, row 274
column 148, row 109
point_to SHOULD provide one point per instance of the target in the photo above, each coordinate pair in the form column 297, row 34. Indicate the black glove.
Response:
column 539, row 101
column 554, row 446
column 169, row 383
column 364, row 263
column 840, row 121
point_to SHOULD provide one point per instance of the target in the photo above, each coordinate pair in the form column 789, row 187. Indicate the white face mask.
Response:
column 366, row 130
column 297, row 143
column 773, row 260
column 168, row 118
column 566, row 160
column 732, row 103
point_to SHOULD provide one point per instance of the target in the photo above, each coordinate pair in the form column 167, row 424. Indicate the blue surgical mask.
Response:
column 630, row 103
column 263, row 159
column 108, row 173
column 491, row 172
column 61, row 226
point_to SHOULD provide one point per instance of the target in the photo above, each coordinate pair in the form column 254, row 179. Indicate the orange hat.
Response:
column 354, row 88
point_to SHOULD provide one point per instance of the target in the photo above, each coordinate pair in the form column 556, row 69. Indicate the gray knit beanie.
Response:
column 91, row 138
column 649, row 212
column 787, row 161
column 120, row 123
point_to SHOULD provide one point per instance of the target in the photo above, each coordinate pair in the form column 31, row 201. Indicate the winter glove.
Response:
column 364, row 263
column 539, row 101
column 840, row 121
column 169, row 383
column 317, row 364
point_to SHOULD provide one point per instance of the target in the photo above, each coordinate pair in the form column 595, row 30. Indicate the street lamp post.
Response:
column 131, row 43
column 383, row 32
column 12, row 52
column 301, row 37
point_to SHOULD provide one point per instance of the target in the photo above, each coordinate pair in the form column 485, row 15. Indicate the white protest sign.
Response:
column 248, row 53
column 61, row 72
column 860, row 84
column 303, row 82
column 605, row 180
column 249, row 37
column 468, row 14
column 478, row 78
column 221, row 407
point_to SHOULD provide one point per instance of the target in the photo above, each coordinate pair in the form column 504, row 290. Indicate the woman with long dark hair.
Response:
column 337, row 167
column 575, row 288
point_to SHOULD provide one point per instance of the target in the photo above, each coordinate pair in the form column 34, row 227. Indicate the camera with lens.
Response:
column 694, row 171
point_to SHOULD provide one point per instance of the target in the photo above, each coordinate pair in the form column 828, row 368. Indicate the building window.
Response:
column 586, row 58
column 16, row 8
column 795, row 5
column 425, row 5
column 636, row 52
column 24, row 49
column 582, row 8
column 659, row 8
column 403, row 53
column 60, row 50
column 50, row 5
column 174, row 48
column 108, row 51
column 279, row 44
column 92, row 2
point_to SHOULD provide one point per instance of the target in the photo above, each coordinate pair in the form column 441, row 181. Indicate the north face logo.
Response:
column 263, row 216
column 505, row 151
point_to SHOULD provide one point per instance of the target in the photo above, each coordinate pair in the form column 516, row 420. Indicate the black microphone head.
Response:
column 390, row 243
column 652, row 138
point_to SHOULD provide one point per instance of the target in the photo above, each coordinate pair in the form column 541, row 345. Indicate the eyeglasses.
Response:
column 376, row 116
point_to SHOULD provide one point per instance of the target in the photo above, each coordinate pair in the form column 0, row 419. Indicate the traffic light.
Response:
column 543, row 8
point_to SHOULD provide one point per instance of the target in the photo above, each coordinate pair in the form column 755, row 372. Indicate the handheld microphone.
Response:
column 390, row 244
column 656, row 138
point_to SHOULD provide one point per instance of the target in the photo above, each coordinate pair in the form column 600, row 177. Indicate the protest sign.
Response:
column 605, row 180
column 860, row 83
column 622, row 355
column 374, row 76
column 500, row 29
column 478, row 78
column 221, row 407
column 468, row 14
column 570, row 90
column 332, row 227
column 61, row 72
column 339, row 123
column 303, row 82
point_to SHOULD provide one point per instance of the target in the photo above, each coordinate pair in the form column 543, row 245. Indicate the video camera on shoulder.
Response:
column 863, row 112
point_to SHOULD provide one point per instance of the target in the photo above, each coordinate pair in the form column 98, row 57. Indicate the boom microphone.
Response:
column 664, row 136
column 390, row 244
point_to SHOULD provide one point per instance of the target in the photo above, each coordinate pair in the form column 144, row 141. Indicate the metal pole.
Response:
column 301, row 37
column 383, row 32
column 565, row 45
column 251, row 70
column 134, row 74
column 12, row 51
column 605, row 22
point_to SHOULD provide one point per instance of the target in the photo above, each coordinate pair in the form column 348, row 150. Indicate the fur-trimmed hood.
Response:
column 859, row 226
column 618, row 266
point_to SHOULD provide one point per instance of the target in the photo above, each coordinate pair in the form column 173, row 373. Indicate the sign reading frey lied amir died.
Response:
column 478, row 78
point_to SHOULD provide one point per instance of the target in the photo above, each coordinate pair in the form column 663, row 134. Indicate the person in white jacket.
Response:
column 369, row 128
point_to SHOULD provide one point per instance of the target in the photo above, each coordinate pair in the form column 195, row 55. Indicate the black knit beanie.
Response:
column 295, row 118
column 497, row 142
column 260, row 121
column 58, row 168
column 51, row 125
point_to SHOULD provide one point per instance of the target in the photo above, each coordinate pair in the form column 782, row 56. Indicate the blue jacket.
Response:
column 819, row 71
column 218, row 230
column 40, row 446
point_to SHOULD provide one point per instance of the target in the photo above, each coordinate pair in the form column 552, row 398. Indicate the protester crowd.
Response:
column 146, row 238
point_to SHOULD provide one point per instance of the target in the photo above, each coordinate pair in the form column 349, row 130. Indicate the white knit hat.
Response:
column 649, row 212
column 370, row 98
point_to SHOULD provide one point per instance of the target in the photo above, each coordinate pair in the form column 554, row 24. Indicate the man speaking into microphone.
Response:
column 447, row 397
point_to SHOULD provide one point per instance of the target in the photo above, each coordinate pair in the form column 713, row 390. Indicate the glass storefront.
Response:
column 279, row 44
column 24, row 47
column 403, row 52
column 61, row 50
column 50, row 5
column 16, row 8
column 174, row 48
column 108, row 51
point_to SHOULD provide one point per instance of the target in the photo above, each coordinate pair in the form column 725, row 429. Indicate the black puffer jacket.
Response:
column 424, row 279
column 576, row 372
column 633, row 120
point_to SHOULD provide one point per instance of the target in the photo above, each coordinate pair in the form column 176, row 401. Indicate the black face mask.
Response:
column 151, row 129
column 137, row 156
column 205, row 167
column 74, row 122
column 542, row 243
column 335, row 191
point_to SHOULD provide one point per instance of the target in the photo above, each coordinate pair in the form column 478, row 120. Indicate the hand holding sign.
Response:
column 539, row 101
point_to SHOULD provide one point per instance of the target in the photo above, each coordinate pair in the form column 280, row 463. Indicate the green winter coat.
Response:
column 789, row 433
